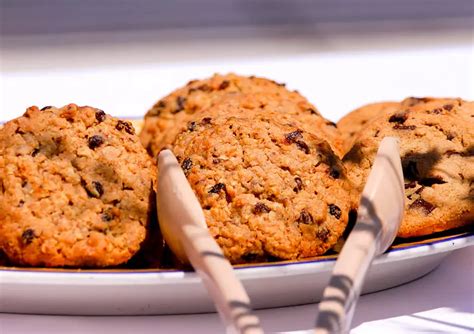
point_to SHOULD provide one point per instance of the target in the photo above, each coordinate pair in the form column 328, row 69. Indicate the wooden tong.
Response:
column 184, row 228
column 379, row 217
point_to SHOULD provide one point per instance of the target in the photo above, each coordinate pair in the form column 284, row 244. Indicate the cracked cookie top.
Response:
column 268, row 190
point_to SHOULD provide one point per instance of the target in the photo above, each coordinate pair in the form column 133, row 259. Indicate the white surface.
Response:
column 441, row 302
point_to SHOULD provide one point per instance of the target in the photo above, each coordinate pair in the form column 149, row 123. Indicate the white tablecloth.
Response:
column 126, row 74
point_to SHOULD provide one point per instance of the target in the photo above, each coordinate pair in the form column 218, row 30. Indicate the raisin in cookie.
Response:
column 351, row 124
column 172, row 113
column 75, row 188
column 268, row 190
column 437, row 151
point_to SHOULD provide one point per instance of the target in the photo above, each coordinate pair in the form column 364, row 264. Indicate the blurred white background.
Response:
column 122, row 56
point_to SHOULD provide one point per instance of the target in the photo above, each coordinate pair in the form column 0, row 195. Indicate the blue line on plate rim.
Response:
column 264, row 265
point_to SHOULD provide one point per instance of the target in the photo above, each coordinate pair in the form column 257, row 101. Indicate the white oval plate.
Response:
column 131, row 292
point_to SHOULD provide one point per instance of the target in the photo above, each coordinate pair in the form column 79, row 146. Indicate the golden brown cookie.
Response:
column 280, row 108
column 268, row 190
column 171, row 114
column 437, row 150
column 75, row 188
column 351, row 124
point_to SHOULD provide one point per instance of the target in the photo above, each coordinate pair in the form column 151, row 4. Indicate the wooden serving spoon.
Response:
column 379, row 217
column 184, row 228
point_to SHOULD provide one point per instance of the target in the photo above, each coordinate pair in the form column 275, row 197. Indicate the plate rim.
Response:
column 284, row 268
